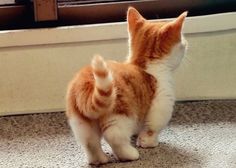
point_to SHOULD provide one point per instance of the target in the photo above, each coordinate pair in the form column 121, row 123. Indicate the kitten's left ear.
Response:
column 134, row 18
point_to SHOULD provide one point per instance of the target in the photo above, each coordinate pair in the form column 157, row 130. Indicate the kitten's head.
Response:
column 155, row 42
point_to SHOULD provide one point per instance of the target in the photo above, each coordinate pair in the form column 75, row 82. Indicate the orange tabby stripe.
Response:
column 105, row 93
column 99, row 103
column 150, row 132
column 100, row 73
column 105, row 126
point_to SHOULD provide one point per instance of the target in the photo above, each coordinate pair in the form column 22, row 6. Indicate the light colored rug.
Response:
column 201, row 134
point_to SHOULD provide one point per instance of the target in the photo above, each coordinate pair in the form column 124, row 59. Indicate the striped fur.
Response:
column 104, row 94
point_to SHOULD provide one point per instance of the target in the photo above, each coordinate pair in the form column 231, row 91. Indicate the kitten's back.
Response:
column 130, row 92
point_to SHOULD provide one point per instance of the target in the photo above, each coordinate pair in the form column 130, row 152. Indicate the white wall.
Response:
column 36, row 65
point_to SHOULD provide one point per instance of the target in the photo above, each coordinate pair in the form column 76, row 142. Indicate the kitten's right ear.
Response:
column 134, row 18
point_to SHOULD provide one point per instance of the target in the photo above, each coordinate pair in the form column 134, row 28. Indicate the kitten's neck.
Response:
column 158, row 70
column 165, row 81
column 137, row 61
column 136, row 58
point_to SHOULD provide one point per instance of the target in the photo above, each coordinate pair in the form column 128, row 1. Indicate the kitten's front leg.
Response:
column 156, row 119
column 89, row 136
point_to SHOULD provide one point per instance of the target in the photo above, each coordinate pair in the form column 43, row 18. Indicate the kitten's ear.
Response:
column 179, row 21
column 174, row 28
column 134, row 18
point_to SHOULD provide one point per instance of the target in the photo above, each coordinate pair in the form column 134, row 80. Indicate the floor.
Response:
column 200, row 135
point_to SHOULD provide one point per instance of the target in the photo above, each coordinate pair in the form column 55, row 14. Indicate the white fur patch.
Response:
column 118, row 136
column 99, row 64
column 89, row 137
column 162, row 106
column 104, row 83
column 122, row 126
column 174, row 58
column 80, row 130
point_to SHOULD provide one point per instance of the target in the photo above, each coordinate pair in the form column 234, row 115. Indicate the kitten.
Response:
column 117, row 100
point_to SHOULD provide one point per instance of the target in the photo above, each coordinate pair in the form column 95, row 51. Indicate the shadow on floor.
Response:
column 204, row 112
column 164, row 156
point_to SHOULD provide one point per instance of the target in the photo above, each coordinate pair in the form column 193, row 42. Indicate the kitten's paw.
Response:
column 145, row 140
column 101, row 159
column 128, row 153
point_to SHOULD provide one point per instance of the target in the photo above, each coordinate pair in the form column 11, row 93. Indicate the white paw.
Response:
column 101, row 159
column 127, row 153
column 146, row 141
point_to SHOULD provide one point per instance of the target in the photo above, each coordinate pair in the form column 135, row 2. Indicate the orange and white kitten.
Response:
column 117, row 100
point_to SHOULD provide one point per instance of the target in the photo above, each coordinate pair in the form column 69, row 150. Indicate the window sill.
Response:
column 97, row 32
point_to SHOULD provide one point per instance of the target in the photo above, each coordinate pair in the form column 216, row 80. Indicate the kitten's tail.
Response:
column 104, row 93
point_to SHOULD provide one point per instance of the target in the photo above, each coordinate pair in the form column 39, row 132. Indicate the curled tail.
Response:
column 104, row 93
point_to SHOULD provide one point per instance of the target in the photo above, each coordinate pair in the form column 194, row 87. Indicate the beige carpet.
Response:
column 201, row 134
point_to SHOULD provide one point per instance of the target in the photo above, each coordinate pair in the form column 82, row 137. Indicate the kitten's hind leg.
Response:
column 157, row 118
column 118, row 132
column 89, row 136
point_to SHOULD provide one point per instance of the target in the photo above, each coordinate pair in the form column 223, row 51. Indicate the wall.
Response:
column 36, row 65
